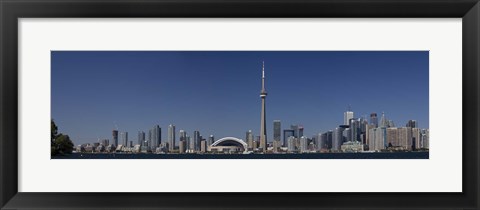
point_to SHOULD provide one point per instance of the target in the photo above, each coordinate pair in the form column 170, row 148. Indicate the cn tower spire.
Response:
column 263, row 69
column 263, row 123
column 263, row 76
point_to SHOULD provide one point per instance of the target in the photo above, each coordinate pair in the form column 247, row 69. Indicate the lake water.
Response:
column 379, row 155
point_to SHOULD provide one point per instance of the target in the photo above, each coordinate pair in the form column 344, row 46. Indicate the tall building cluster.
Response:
column 356, row 134
column 152, row 142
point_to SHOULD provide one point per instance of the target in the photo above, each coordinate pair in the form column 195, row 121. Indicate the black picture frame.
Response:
column 11, row 10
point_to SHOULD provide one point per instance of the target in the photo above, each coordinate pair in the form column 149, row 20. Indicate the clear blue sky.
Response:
column 217, row 92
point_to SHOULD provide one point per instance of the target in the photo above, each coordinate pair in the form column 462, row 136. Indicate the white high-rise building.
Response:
column 425, row 138
column 291, row 144
column 377, row 138
column 347, row 116
column 249, row 137
column 380, row 138
column 303, row 144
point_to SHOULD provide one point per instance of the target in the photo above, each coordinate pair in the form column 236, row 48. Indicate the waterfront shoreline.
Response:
column 376, row 155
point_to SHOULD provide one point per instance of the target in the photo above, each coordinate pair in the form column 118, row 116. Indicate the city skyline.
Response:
column 415, row 87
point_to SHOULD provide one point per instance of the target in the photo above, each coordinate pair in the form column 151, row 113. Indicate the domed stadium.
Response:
column 229, row 145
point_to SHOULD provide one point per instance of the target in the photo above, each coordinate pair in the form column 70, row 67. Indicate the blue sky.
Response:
column 217, row 92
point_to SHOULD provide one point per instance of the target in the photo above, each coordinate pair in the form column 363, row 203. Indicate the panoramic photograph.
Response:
column 240, row 105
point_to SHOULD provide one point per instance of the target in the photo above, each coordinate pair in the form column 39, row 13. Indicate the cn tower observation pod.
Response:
column 229, row 145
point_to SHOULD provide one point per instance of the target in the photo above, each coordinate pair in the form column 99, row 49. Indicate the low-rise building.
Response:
column 352, row 146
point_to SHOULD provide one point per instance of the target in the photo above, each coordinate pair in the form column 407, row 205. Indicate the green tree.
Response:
column 60, row 143
column 54, row 132
column 63, row 144
column 54, row 129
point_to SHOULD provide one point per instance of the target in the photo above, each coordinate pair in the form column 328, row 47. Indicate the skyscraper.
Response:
column 191, row 144
column 124, row 137
column 425, row 138
column 149, row 139
column 182, row 143
column 367, row 134
column 203, row 146
column 171, row 137
column 347, row 116
column 416, row 138
column 210, row 141
column 405, row 137
column 297, row 130
column 298, row 133
column 355, row 129
column 183, row 135
column 291, row 144
column 115, row 137
column 263, row 123
column 390, row 123
column 156, row 137
column 105, row 142
column 141, row 137
column 276, row 130
column 337, row 139
column 329, row 141
column 287, row 133
column 249, row 138
column 363, row 130
column 182, row 146
column 377, row 138
column 371, row 137
column 196, row 140
column 412, row 124
column 383, row 121
column 392, row 137
column 321, row 141
column 374, row 119
column 303, row 144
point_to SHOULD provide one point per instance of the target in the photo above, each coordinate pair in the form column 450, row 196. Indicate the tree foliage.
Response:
column 54, row 130
column 63, row 144
column 60, row 143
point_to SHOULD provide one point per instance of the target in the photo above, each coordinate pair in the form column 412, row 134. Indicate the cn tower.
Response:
column 263, row 123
